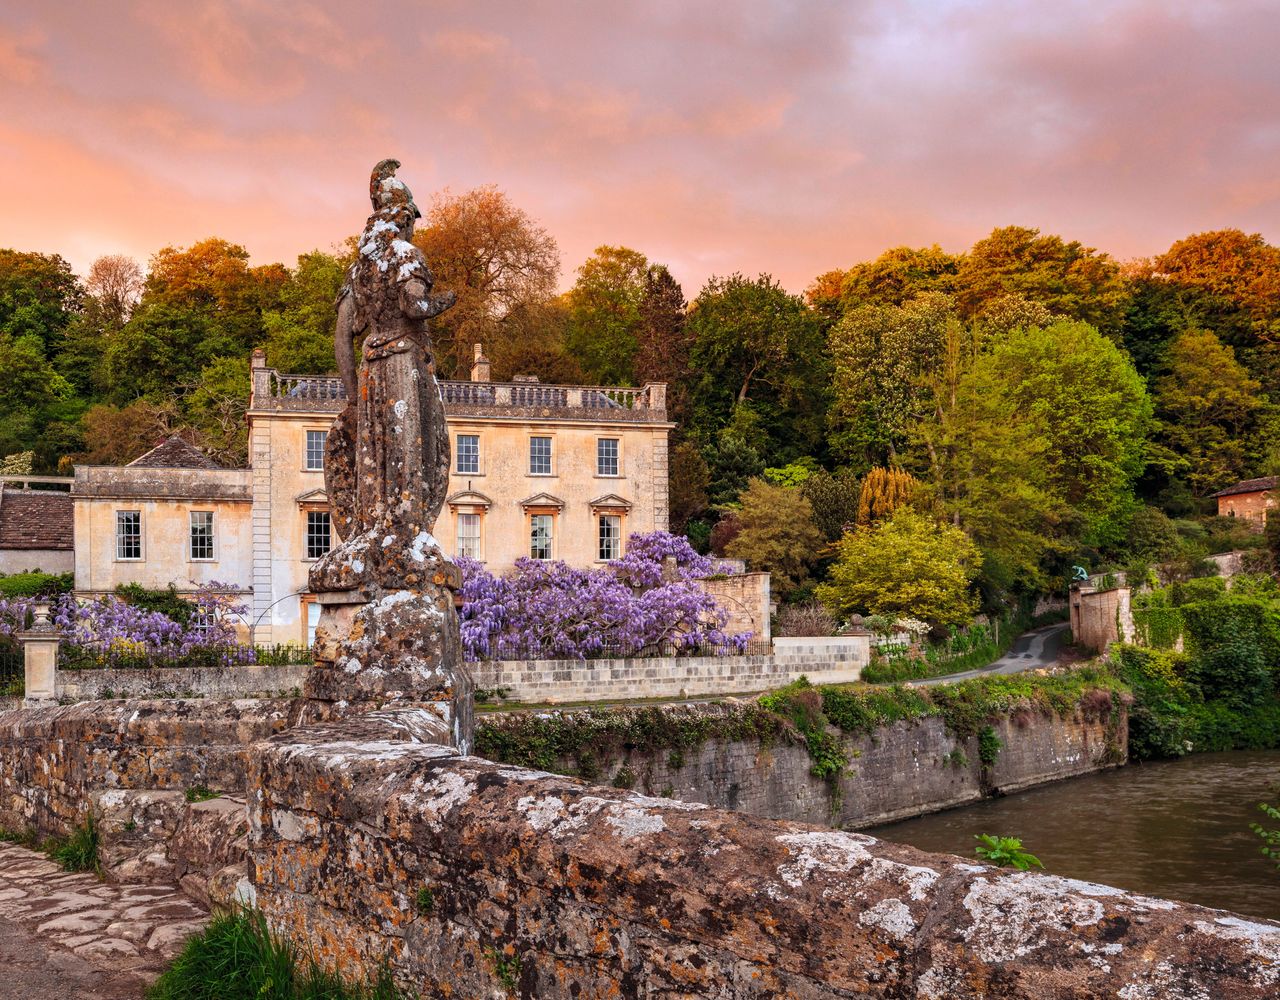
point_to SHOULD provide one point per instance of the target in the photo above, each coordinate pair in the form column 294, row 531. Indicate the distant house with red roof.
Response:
column 35, row 530
column 1251, row 499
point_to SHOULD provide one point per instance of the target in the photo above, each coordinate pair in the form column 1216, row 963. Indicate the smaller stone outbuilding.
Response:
column 1251, row 499
column 35, row 530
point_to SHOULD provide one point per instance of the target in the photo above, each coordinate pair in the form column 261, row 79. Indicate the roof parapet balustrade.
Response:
column 273, row 391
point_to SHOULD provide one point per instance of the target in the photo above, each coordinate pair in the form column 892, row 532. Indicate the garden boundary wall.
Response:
column 746, row 597
column 907, row 769
column 367, row 845
column 822, row 660
column 1100, row 617
column 182, row 682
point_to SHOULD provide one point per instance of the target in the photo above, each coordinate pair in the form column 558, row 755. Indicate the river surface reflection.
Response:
column 1178, row 829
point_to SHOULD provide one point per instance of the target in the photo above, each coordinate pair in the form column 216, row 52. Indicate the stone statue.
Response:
column 388, row 630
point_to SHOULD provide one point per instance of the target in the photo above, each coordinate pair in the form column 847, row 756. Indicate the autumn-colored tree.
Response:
column 115, row 282
column 907, row 565
column 604, row 313
column 777, row 534
column 1241, row 274
column 1068, row 278
column 1208, row 409
column 493, row 257
column 883, row 492
column 117, row 435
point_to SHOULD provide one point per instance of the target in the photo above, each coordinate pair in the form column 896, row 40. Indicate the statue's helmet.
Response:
column 388, row 191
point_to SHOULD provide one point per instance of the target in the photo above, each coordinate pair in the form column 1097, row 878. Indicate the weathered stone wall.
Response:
column 564, row 681
column 1100, row 617
column 54, row 761
column 746, row 597
column 907, row 769
column 474, row 879
column 182, row 682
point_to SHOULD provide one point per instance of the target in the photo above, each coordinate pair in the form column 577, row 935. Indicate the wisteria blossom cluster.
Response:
column 629, row 607
column 112, row 632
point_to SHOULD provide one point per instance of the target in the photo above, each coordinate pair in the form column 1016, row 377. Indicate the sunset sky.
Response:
column 715, row 137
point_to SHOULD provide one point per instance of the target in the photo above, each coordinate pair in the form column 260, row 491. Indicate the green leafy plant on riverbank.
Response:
column 1007, row 852
column 237, row 956
column 1270, row 834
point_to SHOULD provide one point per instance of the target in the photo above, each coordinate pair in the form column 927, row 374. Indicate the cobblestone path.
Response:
column 65, row 935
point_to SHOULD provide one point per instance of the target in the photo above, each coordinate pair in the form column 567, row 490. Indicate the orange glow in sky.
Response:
column 754, row 136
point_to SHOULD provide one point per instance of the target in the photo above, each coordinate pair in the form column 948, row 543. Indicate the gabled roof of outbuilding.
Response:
column 175, row 453
column 1250, row 486
column 35, row 519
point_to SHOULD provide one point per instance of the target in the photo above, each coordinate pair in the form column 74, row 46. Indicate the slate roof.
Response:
column 1250, row 486
column 35, row 519
column 175, row 453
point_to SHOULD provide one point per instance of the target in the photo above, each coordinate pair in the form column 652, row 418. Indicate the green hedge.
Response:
column 34, row 583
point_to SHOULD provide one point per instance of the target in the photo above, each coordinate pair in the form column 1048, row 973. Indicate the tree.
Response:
column 777, row 534
column 1068, row 278
column 665, row 340
column 299, row 333
column 884, row 357
column 39, row 296
column 216, row 406
column 909, row 565
column 604, row 313
column 1208, row 409
column 162, row 345
column 493, row 257
column 1239, row 273
column 115, row 282
column 117, row 435
column 834, row 499
column 753, row 342
column 883, row 492
column 689, row 478
column 897, row 276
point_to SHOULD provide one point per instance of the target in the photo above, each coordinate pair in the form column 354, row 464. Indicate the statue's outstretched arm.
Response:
column 344, row 347
column 417, row 302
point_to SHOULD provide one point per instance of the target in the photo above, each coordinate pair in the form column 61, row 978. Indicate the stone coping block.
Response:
column 567, row 889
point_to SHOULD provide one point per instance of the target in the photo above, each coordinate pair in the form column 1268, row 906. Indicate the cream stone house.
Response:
column 545, row 471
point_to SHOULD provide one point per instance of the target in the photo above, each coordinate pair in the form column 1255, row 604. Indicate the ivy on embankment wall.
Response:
column 850, row 755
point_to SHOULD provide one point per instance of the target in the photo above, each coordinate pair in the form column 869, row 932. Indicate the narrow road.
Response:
column 1038, row 648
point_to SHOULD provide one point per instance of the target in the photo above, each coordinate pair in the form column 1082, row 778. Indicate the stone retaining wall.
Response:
column 474, row 879
column 182, row 682
column 907, row 769
column 567, row 681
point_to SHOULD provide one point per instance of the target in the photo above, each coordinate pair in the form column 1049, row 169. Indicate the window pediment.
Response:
column 469, row 498
column 316, row 499
column 542, row 501
column 610, row 502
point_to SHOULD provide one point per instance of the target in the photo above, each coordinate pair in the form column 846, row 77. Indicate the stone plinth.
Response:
column 40, row 657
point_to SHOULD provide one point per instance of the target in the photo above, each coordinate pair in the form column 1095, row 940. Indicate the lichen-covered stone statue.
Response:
column 388, row 630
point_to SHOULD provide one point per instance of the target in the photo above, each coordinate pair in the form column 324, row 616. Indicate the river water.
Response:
column 1177, row 829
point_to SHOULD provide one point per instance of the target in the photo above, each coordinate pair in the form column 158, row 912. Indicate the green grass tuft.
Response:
column 238, row 958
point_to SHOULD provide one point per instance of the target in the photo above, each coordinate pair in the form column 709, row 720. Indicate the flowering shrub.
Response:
column 549, row 609
column 113, row 633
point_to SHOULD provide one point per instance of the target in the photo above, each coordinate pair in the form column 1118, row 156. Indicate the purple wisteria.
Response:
column 110, row 632
column 644, row 603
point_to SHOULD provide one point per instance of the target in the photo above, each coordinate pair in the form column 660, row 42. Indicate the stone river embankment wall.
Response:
column 906, row 769
column 475, row 879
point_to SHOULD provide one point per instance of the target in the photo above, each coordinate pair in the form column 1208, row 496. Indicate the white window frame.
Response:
column 457, row 455
column 120, row 537
column 463, row 517
column 534, row 521
column 191, row 536
column 307, row 451
column 306, row 534
column 617, row 458
column 550, row 456
column 616, row 538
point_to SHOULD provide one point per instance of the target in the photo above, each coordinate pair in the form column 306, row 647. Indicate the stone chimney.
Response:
column 480, row 366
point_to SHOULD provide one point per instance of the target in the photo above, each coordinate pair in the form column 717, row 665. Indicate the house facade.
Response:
column 548, row 472
column 1254, row 500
